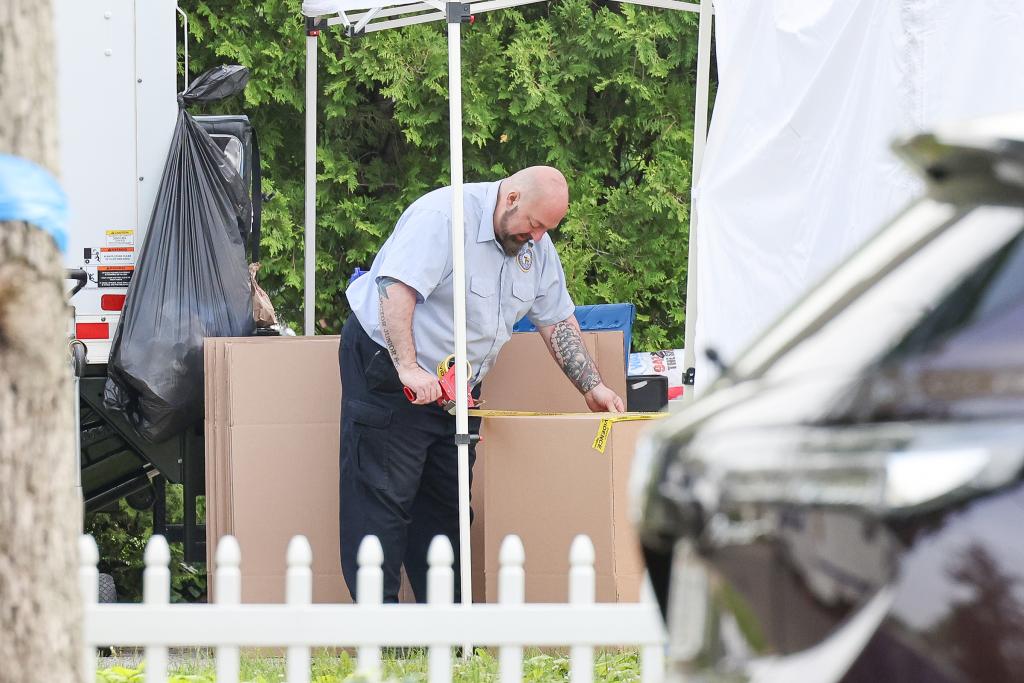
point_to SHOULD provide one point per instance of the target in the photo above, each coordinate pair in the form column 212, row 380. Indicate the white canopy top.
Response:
column 318, row 8
column 377, row 15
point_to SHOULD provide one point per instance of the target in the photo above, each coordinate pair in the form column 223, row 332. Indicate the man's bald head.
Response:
column 542, row 187
column 530, row 202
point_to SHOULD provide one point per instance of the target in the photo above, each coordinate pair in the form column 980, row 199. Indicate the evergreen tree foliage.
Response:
column 603, row 92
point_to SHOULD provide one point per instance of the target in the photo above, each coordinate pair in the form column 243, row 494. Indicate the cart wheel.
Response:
column 108, row 591
column 142, row 499
column 77, row 349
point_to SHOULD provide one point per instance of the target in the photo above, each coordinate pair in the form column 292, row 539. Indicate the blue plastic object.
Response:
column 599, row 317
column 356, row 273
column 29, row 193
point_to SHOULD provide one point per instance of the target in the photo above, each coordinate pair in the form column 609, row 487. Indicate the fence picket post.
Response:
column 652, row 657
column 299, row 591
column 228, row 591
column 88, row 585
column 440, row 591
column 156, row 591
column 369, row 591
column 511, row 591
column 581, row 592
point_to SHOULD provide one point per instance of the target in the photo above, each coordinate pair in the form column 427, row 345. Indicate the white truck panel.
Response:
column 116, row 65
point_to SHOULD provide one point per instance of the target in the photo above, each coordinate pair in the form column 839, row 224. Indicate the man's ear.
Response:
column 512, row 198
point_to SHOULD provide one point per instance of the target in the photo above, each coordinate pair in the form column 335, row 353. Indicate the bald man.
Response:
column 399, row 473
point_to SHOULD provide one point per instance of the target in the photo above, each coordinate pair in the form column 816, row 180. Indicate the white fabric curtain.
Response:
column 798, row 169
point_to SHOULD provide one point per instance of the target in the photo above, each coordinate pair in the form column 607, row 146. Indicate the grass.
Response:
column 610, row 666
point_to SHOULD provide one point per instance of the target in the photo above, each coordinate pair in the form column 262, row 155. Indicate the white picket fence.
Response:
column 227, row 625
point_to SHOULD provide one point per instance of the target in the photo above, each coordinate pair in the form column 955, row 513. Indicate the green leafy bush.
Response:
column 121, row 537
column 605, row 93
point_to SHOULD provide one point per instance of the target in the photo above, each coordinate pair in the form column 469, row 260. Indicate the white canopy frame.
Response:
column 364, row 16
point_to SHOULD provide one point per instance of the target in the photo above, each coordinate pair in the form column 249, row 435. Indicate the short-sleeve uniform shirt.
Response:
column 500, row 289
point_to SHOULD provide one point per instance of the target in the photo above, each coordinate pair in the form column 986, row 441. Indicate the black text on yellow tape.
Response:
column 604, row 429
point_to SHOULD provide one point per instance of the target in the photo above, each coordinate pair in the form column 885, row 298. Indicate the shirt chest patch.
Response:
column 525, row 260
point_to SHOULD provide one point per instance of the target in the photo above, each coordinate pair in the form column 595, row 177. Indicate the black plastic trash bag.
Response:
column 192, row 279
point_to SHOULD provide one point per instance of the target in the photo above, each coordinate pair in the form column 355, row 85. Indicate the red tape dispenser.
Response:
column 447, row 400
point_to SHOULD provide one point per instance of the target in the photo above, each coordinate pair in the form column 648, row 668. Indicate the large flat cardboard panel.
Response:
column 216, row 420
column 629, row 560
column 477, row 550
column 281, row 492
column 546, row 483
column 214, row 350
column 222, row 449
column 224, row 444
column 525, row 377
column 208, row 460
column 285, row 482
column 284, row 380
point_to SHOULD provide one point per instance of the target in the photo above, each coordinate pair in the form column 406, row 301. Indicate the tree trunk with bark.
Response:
column 40, row 606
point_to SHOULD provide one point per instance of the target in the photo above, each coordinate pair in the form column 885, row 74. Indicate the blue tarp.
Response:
column 29, row 193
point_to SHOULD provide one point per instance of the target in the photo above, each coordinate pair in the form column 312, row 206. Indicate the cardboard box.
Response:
column 546, row 483
column 526, row 377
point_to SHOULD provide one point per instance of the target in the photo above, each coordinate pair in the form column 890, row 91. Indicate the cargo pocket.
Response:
column 381, row 374
column 371, row 441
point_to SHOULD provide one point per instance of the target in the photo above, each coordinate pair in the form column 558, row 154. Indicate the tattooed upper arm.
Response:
column 382, row 285
column 572, row 355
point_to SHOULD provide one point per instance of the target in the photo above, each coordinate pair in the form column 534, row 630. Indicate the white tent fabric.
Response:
column 798, row 170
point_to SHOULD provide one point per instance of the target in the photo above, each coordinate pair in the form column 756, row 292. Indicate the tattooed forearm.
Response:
column 572, row 356
column 396, row 303
column 388, row 344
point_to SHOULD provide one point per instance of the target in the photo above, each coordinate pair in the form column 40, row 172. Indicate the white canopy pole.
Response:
column 459, row 283
column 454, row 12
column 310, row 254
column 700, row 135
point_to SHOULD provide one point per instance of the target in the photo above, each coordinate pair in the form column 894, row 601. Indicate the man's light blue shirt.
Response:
column 500, row 289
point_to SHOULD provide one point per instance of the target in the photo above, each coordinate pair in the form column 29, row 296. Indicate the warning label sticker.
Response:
column 120, row 238
column 114, row 276
column 115, row 256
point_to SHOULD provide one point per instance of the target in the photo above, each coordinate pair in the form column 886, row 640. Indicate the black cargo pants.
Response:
column 399, row 468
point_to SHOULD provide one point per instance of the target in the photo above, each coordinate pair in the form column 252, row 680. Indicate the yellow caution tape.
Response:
column 604, row 430
column 484, row 412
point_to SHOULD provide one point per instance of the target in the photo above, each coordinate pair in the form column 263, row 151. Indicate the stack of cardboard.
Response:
column 272, row 411
column 539, row 476
column 526, row 378
column 273, row 407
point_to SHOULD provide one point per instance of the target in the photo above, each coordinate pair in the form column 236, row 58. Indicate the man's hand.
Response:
column 601, row 399
column 423, row 384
